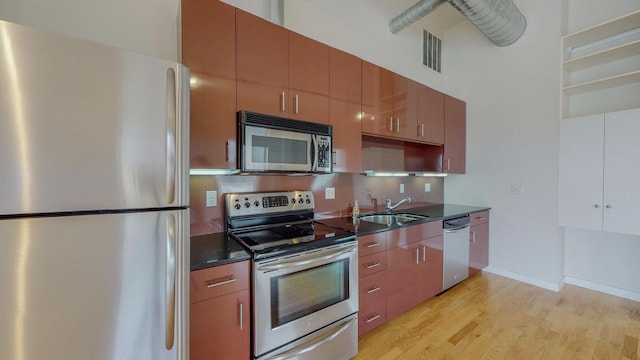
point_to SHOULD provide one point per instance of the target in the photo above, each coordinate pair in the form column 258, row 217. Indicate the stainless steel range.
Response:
column 305, row 296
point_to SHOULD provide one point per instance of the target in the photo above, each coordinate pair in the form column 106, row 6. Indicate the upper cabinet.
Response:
column 209, row 50
column 345, row 111
column 601, row 68
column 430, row 115
column 389, row 103
column 455, row 133
column 280, row 72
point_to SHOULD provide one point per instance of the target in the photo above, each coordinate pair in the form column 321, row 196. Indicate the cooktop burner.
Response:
column 272, row 224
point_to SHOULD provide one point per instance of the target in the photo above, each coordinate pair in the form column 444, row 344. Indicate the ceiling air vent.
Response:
column 431, row 51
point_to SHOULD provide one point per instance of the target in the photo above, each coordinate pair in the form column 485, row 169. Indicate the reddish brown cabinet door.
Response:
column 479, row 242
column 209, row 49
column 377, row 91
column 262, row 65
column 455, row 135
column 219, row 327
column 405, row 107
column 432, row 280
column 308, row 94
column 345, row 84
column 430, row 123
column 404, row 271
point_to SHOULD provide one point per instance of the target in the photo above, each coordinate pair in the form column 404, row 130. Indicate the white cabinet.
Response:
column 601, row 67
column 599, row 187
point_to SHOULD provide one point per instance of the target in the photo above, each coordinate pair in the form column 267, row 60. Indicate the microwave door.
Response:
column 313, row 151
column 276, row 150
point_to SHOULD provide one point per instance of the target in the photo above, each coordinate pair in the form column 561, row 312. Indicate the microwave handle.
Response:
column 314, row 152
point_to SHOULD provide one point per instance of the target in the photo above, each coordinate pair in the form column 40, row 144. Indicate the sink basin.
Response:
column 388, row 219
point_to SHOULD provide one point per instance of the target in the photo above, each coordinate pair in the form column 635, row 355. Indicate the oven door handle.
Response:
column 332, row 335
column 297, row 263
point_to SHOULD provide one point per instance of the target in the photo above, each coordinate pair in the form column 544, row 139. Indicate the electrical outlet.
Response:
column 427, row 187
column 401, row 188
column 211, row 198
column 330, row 193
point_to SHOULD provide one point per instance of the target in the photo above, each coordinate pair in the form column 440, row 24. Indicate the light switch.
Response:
column 211, row 198
column 401, row 188
column 330, row 193
column 427, row 187
column 517, row 189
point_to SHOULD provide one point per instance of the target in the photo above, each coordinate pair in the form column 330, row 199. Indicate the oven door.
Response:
column 298, row 294
column 267, row 149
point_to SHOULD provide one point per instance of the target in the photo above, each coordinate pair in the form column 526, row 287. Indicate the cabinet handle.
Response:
column 282, row 101
column 372, row 245
column 369, row 319
column 241, row 318
column 422, row 130
column 397, row 124
column 480, row 218
column 473, row 237
column 390, row 124
column 297, row 101
column 417, row 256
column 448, row 164
column 424, row 254
column 214, row 283
column 597, row 206
column 373, row 289
column 608, row 206
column 373, row 265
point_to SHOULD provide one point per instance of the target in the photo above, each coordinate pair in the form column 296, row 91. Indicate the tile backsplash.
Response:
column 370, row 192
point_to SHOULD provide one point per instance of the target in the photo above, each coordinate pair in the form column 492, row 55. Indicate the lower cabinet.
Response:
column 371, row 283
column 220, row 314
column 398, row 270
column 414, row 266
column 479, row 242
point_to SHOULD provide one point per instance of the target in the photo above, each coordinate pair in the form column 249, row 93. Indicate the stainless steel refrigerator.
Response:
column 94, row 218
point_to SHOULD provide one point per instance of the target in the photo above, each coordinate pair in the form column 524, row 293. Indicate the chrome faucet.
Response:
column 392, row 207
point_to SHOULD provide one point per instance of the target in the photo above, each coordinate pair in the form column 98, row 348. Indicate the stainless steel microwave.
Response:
column 269, row 143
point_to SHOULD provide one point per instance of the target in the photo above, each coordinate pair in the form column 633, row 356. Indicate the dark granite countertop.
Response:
column 218, row 248
column 215, row 249
column 434, row 212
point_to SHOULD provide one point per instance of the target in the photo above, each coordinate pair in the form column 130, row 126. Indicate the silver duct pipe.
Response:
column 499, row 20
column 413, row 14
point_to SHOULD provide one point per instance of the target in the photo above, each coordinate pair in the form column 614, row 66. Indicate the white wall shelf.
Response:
column 605, row 57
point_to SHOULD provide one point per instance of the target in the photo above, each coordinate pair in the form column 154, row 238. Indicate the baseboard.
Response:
column 627, row 294
column 526, row 279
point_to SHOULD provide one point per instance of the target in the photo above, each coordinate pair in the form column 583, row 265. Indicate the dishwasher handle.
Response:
column 455, row 230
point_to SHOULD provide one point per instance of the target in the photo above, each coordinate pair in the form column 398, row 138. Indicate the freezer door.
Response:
column 94, row 287
column 85, row 126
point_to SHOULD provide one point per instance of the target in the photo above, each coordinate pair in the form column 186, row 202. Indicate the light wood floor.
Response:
column 492, row 317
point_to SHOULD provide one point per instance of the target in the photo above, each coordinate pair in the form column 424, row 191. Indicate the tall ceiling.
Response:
column 442, row 18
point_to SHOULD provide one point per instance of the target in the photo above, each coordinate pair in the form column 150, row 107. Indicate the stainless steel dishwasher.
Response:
column 455, row 251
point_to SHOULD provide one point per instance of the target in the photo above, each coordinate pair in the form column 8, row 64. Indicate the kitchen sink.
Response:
column 389, row 219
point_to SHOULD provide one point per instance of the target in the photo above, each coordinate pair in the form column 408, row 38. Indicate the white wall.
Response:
column 146, row 26
column 513, row 107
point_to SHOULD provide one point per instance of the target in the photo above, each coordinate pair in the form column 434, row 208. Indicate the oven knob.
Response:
column 300, row 201
column 308, row 201
column 247, row 204
column 238, row 206
column 293, row 200
column 256, row 203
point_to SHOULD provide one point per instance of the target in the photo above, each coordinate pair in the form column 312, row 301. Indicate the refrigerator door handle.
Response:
column 171, row 112
column 170, row 284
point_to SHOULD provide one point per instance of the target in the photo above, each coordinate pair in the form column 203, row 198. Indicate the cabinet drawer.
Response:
column 479, row 217
column 371, row 244
column 372, row 316
column 219, row 280
column 372, row 264
column 372, row 288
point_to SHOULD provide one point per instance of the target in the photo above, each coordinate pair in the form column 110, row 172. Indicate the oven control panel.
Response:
column 265, row 203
